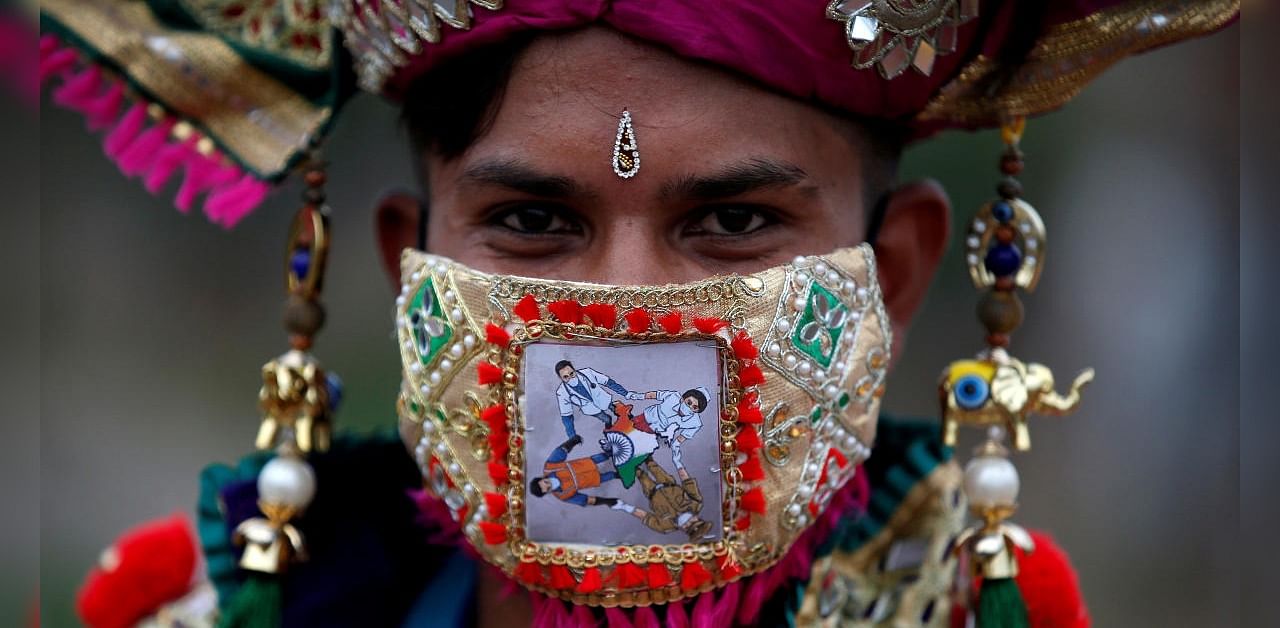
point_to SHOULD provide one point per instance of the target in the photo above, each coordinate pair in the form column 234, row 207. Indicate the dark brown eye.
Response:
column 732, row 221
column 534, row 220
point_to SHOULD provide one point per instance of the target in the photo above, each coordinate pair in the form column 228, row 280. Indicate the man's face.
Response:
column 545, row 485
column 734, row 178
column 567, row 374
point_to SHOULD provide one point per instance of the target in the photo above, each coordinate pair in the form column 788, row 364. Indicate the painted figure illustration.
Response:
column 566, row 478
column 676, row 417
column 586, row 390
column 672, row 505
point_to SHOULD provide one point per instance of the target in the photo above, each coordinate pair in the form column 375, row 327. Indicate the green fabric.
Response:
column 258, row 604
column 1000, row 605
column 627, row 472
column 220, row 556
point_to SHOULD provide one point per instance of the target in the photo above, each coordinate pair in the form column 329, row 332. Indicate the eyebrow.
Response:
column 521, row 177
column 739, row 178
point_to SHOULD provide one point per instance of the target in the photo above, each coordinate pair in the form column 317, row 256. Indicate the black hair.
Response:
column 697, row 395
column 561, row 364
column 448, row 121
column 536, row 488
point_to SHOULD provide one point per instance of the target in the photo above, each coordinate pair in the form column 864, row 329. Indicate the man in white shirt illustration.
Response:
column 587, row 390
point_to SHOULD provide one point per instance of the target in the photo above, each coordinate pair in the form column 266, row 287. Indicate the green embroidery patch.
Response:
column 817, row 332
column 431, row 330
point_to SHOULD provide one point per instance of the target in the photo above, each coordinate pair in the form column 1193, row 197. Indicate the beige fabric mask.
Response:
column 629, row 445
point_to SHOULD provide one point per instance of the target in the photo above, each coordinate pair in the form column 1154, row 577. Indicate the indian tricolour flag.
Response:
column 630, row 446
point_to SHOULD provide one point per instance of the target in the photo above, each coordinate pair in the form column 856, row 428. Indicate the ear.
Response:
column 909, row 247
column 397, row 218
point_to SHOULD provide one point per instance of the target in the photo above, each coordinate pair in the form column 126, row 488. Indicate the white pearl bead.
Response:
column 991, row 481
column 456, row 350
column 831, row 391
column 415, row 276
column 434, row 377
column 790, row 360
column 456, row 315
column 400, row 301
column 862, row 293
column 819, row 269
column 804, row 491
column 426, row 390
column 287, row 481
column 804, row 368
column 449, row 297
column 415, row 367
column 427, row 428
column 455, row 468
column 819, row 374
column 798, row 260
column 441, row 449
column 469, row 341
column 833, row 277
column 774, row 349
column 793, row 510
column 847, row 287
column 783, row 325
column 797, row 304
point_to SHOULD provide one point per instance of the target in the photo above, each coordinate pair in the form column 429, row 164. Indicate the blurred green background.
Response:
column 155, row 324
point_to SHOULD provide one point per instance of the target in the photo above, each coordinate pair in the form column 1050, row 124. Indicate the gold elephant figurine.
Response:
column 987, row 392
column 294, row 395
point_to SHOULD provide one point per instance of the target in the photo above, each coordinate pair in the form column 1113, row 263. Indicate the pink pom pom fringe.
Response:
column 152, row 154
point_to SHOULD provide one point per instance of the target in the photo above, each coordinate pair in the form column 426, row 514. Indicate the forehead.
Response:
column 566, row 93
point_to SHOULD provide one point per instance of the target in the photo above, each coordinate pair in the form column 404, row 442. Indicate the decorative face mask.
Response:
column 631, row 445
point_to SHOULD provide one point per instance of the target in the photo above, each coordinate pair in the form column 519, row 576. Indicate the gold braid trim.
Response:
column 1070, row 55
column 199, row 77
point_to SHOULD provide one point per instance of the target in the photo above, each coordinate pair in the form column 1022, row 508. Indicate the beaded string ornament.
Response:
column 1005, row 249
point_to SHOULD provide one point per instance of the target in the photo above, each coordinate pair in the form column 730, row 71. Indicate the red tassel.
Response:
column 742, row 523
column 743, row 347
column 630, row 576
column 496, row 503
column 729, row 568
column 488, row 373
column 499, row 473
column 602, row 314
column 527, row 309
column 495, row 335
column 659, row 576
column 670, row 322
column 156, row 562
column 693, row 576
column 638, row 321
column 567, row 311
column 750, row 375
column 751, row 469
column 590, row 581
column 840, row 459
column 748, row 439
column 561, row 578
column 753, row 501
column 496, row 417
column 750, row 414
column 709, row 324
column 529, row 573
column 494, row 533
column 499, row 445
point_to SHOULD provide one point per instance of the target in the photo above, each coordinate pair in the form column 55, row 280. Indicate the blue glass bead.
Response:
column 300, row 263
column 334, row 384
column 971, row 392
column 1003, row 260
column 1002, row 211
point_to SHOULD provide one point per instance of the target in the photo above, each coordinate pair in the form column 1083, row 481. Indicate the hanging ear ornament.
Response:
column 626, row 157
column 1005, row 250
column 297, row 400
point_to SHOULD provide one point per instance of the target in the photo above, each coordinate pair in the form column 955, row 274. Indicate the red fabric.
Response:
column 671, row 323
column 1049, row 586
column 709, row 324
column 602, row 314
column 487, row 373
column 659, row 576
column 496, row 503
column 751, row 375
column 566, row 311
column 154, row 564
column 743, row 347
column 496, row 335
column 638, row 321
column 591, row 581
column 630, row 575
column 693, row 576
column 494, row 533
column 527, row 309
column 753, row 501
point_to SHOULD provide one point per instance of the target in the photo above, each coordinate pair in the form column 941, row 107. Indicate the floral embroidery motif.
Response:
column 295, row 29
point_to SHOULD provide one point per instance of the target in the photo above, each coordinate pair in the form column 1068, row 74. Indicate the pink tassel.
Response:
column 676, row 616
column 704, row 611
column 549, row 612
column 228, row 206
column 171, row 158
column 48, row 44
column 202, row 173
column 126, row 131
column 582, row 617
column 615, row 617
column 56, row 62
column 138, row 157
column 102, row 112
column 646, row 618
column 79, row 90
column 726, row 606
